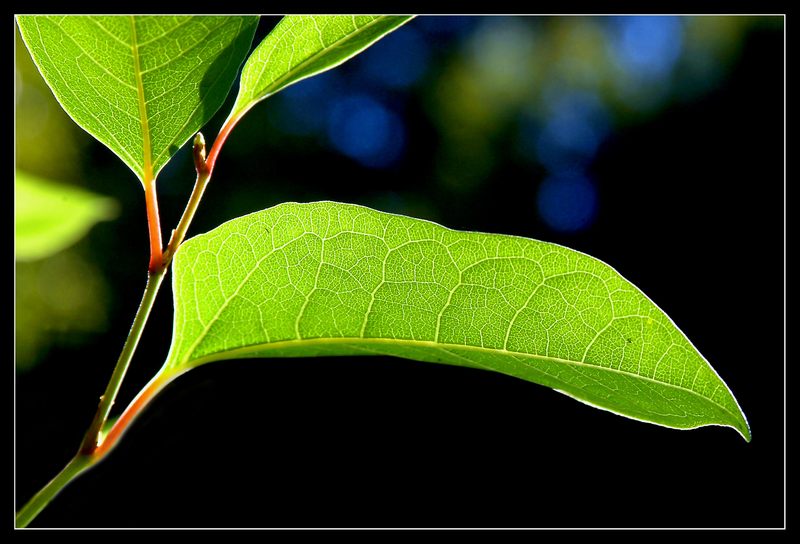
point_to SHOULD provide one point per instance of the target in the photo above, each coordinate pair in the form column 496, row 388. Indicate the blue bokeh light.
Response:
column 577, row 124
column 397, row 61
column 306, row 104
column 647, row 46
column 365, row 130
column 567, row 202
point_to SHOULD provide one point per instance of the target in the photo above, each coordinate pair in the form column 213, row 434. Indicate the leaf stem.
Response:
column 75, row 467
column 220, row 141
column 153, row 224
column 110, row 439
column 90, row 441
column 204, row 167
column 83, row 460
column 95, row 446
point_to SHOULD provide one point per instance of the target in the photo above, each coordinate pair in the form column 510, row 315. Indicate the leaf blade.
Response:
column 141, row 85
column 336, row 279
column 301, row 46
column 49, row 217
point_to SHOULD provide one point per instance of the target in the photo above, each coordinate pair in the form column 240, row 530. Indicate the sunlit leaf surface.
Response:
column 338, row 279
column 301, row 46
column 141, row 85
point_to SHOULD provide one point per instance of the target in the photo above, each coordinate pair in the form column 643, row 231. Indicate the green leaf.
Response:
column 141, row 85
column 339, row 279
column 301, row 46
column 49, row 217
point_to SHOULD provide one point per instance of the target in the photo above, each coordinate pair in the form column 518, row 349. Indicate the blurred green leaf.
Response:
column 141, row 85
column 301, row 46
column 302, row 280
column 60, row 301
column 49, row 217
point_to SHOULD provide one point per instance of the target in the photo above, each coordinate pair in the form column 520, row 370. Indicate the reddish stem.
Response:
column 205, row 167
column 127, row 417
column 218, row 143
column 154, row 224
column 157, row 260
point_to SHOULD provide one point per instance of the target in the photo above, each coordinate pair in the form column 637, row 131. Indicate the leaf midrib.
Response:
column 270, row 89
column 137, row 71
column 266, row 346
column 200, row 101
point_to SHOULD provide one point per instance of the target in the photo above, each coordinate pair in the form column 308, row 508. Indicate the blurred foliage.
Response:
column 49, row 217
column 60, row 301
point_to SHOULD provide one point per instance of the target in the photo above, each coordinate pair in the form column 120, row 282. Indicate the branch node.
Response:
column 199, row 153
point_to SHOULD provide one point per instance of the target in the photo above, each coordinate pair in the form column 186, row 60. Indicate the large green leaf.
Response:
column 49, row 217
column 335, row 279
column 301, row 46
column 141, row 85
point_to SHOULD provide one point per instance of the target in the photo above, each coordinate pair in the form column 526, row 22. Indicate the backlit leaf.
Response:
column 338, row 279
column 141, row 85
column 301, row 46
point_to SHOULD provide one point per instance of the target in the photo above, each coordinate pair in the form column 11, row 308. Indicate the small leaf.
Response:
column 141, row 85
column 49, row 217
column 338, row 279
column 301, row 46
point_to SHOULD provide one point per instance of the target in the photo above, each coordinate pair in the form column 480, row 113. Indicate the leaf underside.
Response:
column 325, row 278
column 301, row 46
column 141, row 85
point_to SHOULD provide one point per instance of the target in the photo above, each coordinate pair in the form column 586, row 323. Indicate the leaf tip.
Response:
column 739, row 423
column 744, row 429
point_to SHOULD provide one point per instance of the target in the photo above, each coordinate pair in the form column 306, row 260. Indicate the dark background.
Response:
column 686, row 197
